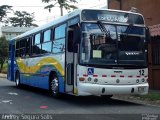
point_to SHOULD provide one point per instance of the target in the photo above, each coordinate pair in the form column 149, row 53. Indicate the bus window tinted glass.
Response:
column 10, row 47
column 47, row 36
column 23, row 43
column 59, row 46
column 17, row 53
column 60, row 31
column 37, row 38
column 17, row 44
column 36, row 49
column 46, row 47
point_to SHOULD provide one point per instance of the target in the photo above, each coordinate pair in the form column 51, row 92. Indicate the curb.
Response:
column 143, row 102
column 3, row 75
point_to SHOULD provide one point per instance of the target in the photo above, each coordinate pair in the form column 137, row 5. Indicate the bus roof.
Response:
column 62, row 19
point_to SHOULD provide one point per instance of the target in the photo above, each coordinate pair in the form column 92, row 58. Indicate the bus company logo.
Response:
column 132, row 53
column 117, row 71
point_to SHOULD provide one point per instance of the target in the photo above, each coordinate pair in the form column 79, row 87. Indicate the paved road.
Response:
column 29, row 100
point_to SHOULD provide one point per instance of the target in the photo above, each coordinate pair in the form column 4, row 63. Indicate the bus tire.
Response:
column 17, row 79
column 54, row 86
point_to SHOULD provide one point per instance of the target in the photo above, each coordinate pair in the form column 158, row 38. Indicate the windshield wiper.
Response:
column 103, row 29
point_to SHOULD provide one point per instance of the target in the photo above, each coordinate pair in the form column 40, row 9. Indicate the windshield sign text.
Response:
column 112, row 18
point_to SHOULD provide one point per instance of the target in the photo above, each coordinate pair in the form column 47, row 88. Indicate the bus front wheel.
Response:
column 54, row 86
column 17, row 79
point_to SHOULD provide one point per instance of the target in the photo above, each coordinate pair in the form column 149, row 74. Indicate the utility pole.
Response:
column 61, row 10
column 107, row 4
column 120, row 4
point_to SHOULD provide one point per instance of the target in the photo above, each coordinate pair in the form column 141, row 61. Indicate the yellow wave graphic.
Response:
column 45, row 61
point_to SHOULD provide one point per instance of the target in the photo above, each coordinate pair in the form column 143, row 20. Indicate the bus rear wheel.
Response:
column 17, row 79
column 54, row 86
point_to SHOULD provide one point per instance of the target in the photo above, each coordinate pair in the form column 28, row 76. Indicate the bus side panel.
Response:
column 35, row 71
column 43, row 82
column 61, row 84
column 23, row 79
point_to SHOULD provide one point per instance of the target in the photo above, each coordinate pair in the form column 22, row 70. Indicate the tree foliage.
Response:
column 3, row 11
column 63, row 3
column 22, row 19
column 3, row 51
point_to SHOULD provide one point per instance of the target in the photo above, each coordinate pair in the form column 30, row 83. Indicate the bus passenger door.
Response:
column 71, row 58
column 69, row 62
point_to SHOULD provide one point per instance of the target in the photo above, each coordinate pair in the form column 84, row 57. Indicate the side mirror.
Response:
column 148, row 35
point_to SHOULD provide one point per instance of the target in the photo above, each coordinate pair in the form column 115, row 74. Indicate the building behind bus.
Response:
column 150, row 10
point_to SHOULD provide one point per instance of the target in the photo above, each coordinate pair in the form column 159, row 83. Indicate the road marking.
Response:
column 43, row 107
column 27, row 97
column 7, row 101
column 10, row 93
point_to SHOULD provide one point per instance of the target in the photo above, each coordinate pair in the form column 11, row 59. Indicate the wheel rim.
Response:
column 17, row 80
column 54, row 86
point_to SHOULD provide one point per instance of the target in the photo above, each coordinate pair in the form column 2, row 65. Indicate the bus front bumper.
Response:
column 85, row 89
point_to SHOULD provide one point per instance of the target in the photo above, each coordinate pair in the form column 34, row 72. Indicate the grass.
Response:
column 151, row 96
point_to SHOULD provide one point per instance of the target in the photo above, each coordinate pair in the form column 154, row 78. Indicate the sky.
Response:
column 42, row 15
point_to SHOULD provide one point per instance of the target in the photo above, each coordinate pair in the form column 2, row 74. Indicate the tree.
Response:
column 3, row 11
column 62, row 3
column 22, row 19
column 3, row 51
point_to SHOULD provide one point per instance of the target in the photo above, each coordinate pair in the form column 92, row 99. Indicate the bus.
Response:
column 98, row 52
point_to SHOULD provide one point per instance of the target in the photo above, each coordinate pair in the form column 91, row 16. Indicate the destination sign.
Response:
column 112, row 16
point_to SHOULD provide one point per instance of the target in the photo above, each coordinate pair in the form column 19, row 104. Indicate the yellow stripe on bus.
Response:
column 45, row 61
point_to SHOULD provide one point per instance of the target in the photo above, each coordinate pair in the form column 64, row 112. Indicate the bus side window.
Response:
column 59, row 39
column 36, row 49
column 37, row 38
column 28, row 47
column 46, row 47
column 47, row 44
column 17, row 48
column 23, row 43
column 47, row 36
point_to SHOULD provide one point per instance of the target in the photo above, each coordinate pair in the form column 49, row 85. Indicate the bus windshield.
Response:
column 122, row 45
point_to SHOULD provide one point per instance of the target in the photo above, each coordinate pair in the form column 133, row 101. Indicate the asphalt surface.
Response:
column 28, row 100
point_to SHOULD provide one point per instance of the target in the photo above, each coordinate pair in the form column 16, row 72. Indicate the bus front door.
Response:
column 71, row 60
column 69, row 72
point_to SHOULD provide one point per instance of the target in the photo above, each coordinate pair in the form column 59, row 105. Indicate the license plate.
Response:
column 141, row 89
